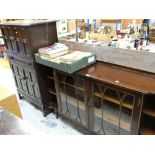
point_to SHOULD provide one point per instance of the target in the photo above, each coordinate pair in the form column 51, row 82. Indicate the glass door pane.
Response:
column 112, row 110
column 126, row 108
column 72, row 98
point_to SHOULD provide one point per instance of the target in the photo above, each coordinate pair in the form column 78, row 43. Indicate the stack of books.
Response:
column 71, row 57
column 50, row 52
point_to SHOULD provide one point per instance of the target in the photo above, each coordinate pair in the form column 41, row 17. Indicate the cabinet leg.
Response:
column 44, row 113
column 47, row 111
column 57, row 115
column 20, row 96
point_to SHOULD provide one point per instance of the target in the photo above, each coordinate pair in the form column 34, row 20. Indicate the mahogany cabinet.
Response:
column 103, row 98
column 22, row 40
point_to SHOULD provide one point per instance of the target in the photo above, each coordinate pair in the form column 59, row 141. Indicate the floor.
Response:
column 47, row 125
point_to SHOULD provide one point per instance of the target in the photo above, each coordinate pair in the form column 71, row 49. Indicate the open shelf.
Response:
column 52, row 91
column 147, row 131
column 114, row 100
column 150, row 112
column 50, row 77
column 53, row 101
column 51, row 86
column 147, row 126
column 73, row 86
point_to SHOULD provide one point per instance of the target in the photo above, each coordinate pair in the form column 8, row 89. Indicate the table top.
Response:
column 27, row 22
column 12, row 125
column 120, row 76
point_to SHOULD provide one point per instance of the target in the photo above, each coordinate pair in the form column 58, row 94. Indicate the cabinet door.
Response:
column 112, row 110
column 71, row 94
column 25, row 79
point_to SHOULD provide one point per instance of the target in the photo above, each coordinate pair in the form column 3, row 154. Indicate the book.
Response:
column 74, row 56
column 53, row 51
column 71, row 57
column 51, row 56
column 54, row 48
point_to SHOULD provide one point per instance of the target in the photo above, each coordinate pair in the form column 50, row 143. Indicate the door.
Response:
column 71, row 97
column 112, row 110
column 25, row 79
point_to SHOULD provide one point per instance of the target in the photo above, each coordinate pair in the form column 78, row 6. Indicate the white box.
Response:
column 62, row 26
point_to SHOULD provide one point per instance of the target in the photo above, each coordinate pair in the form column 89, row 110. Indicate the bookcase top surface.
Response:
column 120, row 76
column 27, row 22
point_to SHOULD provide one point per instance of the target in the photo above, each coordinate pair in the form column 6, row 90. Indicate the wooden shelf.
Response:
column 73, row 86
column 125, row 104
column 80, row 88
column 50, row 77
column 147, row 131
column 51, row 91
column 125, row 124
column 150, row 112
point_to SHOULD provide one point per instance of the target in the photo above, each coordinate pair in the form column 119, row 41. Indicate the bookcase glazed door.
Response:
column 71, row 93
column 112, row 110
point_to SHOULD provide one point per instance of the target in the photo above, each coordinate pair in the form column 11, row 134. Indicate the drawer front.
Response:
column 25, row 78
column 18, row 48
column 4, row 30
column 14, row 32
column 16, row 41
column 20, row 32
column 11, row 31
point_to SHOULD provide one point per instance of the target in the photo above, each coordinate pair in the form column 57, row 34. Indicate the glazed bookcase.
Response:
column 96, row 105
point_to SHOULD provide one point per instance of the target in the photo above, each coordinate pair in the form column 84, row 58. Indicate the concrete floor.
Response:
column 47, row 125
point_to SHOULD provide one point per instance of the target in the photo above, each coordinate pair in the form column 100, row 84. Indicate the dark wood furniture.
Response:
column 103, row 98
column 13, row 125
column 22, row 40
column 152, row 35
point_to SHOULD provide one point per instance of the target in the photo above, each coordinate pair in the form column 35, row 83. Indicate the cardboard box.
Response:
column 68, row 67
column 71, row 25
column 103, row 37
column 9, row 102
